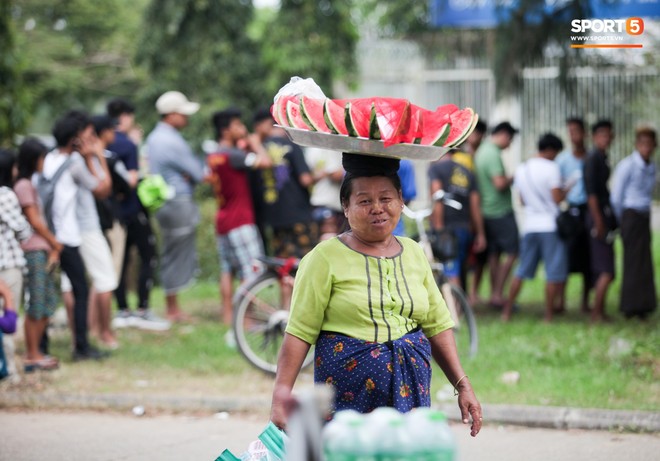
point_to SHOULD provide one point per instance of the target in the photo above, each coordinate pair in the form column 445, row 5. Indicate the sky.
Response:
column 262, row 3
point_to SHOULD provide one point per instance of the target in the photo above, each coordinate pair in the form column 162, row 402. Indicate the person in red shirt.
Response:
column 239, row 241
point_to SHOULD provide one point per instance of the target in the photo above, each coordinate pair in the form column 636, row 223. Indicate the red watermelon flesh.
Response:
column 312, row 113
column 446, row 109
column 294, row 117
column 333, row 114
column 461, row 125
column 393, row 119
column 436, row 128
column 416, row 124
column 358, row 117
column 273, row 112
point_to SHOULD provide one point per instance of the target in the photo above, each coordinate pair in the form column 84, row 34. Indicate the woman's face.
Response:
column 374, row 208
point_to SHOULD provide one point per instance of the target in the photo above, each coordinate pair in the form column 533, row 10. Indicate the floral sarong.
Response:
column 367, row 375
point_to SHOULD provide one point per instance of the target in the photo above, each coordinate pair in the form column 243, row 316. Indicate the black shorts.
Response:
column 502, row 234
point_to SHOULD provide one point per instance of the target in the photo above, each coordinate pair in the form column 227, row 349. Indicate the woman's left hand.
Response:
column 470, row 407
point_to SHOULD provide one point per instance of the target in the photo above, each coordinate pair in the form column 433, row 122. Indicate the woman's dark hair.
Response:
column 7, row 160
column 346, row 188
column 29, row 153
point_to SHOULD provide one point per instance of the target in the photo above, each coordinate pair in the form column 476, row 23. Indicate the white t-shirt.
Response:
column 86, row 212
column 535, row 180
column 325, row 192
column 67, row 229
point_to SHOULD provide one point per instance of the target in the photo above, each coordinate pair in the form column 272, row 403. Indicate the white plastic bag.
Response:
column 301, row 87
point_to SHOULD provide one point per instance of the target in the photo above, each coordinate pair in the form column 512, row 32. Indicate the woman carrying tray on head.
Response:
column 369, row 302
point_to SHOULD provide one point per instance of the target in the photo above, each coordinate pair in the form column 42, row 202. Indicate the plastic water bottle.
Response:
column 394, row 442
column 345, row 438
column 431, row 435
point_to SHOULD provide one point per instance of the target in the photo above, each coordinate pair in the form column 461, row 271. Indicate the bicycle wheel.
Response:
column 260, row 320
column 465, row 329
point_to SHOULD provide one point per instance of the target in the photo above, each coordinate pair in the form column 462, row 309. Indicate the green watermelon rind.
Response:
column 374, row 130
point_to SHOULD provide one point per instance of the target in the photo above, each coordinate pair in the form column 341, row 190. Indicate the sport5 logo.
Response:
column 631, row 26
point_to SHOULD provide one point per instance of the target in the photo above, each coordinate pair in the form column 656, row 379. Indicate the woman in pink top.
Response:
column 42, row 252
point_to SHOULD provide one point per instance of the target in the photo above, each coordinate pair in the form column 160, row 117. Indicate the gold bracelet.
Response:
column 457, row 383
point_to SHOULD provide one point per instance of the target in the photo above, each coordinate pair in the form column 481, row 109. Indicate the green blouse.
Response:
column 366, row 297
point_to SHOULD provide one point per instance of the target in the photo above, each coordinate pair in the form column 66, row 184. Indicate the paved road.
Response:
column 88, row 436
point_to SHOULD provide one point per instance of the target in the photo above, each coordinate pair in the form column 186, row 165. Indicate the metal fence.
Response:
column 628, row 96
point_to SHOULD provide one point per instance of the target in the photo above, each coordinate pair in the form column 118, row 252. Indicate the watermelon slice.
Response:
column 275, row 114
column 416, row 124
column 358, row 117
column 392, row 117
column 436, row 128
column 294, row 117
column 333, row 115
column 312, row 113
column 462, row 124
column 280, row 109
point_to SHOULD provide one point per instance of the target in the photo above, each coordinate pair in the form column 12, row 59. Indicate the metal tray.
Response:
column 364, row 146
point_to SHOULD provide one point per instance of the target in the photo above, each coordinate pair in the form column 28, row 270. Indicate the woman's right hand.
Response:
column 282, row 406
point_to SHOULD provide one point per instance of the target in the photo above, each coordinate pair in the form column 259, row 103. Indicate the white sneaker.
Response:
column 122, row 319
column 144, row 319
column 230, row 339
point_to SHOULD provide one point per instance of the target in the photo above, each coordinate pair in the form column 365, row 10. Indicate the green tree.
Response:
column 526, row 35
column 77, row 53
column 310, row 38
column 15, row 101
column 201, row 48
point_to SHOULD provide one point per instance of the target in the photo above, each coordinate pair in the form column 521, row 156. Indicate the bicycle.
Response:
column 465, row 328
column 261, row 312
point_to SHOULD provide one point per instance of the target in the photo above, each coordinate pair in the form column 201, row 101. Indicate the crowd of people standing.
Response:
column 274, row 198
column 572, row 182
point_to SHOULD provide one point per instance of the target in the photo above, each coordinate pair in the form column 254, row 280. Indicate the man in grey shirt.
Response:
column 170, row 156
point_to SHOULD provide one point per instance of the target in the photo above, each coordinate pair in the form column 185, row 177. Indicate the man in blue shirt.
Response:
column 137, row 225
column 571, row 166
column 171, row 157
column 632, row 193
column 408, row 190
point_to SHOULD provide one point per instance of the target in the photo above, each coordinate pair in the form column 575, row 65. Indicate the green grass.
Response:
column 566, row 363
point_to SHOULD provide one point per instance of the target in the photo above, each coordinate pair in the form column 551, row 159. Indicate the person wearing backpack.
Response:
column 42, row 254
column 77, row 147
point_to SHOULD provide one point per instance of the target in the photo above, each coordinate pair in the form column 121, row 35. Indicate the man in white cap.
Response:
column 171, row 157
